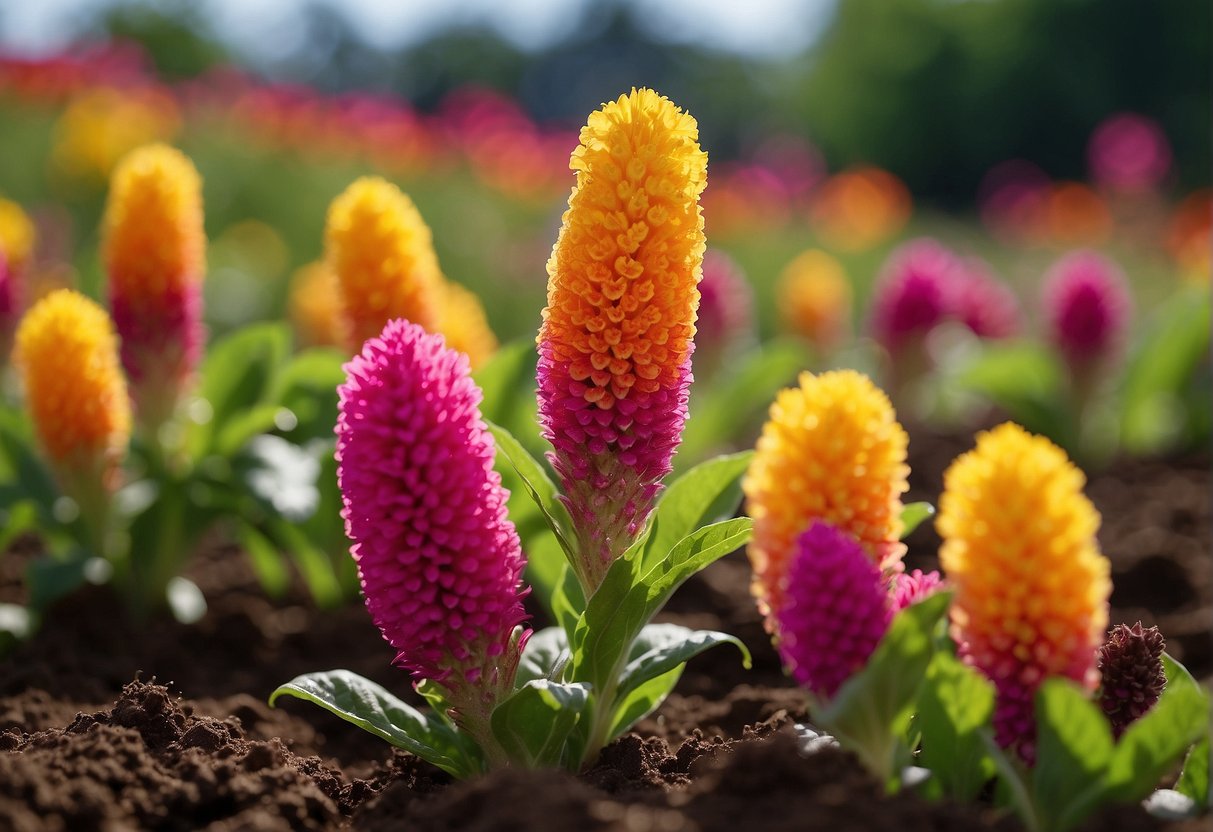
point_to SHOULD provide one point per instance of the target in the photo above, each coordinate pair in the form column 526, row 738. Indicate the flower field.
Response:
column 366, row 465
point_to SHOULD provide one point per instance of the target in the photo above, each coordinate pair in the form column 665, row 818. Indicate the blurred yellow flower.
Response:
column 17, row 236
column 101, row 125
column 313, row 305
column 859, row 208
column 464, row 324
column 814, row 299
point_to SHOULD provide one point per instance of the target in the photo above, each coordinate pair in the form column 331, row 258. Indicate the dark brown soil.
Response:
column 88, row 740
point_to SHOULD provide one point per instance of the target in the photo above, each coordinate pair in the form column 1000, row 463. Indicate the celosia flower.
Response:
column 1131, row 674
column 911, row 587
column 915, row 293
column 463, row 323
column 815, row 299
column 1031, row 588
column 985, row 304
column 1087, row 307
column 10, row 305
column 440, row 563
column 383, row 255
column 1129, row 152
column 99, row 126
column 17, row 236
column 615, row 345
column 67, row 355
column 154, row 253
column 313, row 305
column 835, row 611
column 831, row 451
column 726, row 311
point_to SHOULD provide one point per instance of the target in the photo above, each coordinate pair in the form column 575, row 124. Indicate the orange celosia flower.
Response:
column 815, row 298
column 101, row 125
column 832, row 450
column 17, row 236
column 858, row 208
column 1031, row 587
column 615, row 345
column 382, row 253
column 313, row 305
column 464, row 325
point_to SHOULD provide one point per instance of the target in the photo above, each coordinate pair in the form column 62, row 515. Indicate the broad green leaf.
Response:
column 237, row 375
column 268, row 563
column 545, row 559
column 242, row 427
column 1074, row 750
column 17, row 515
column 307, row 387
column 533, row 724
column 913, row 515
column 872, row 709
column 568, row 601
column 20, row 465
column 1194, row 779
column 1156, row 744
column 1177, row 674
column 1026, row 380
column 659, row 648
column 508, row 382
column 955, row 702
column 642, row 700
column 545, row 655
column 707, row 493
column 363, row 703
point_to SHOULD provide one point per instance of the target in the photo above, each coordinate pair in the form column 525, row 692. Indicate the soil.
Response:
column 106, row 725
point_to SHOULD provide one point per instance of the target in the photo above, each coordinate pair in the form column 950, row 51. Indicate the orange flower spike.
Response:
column 616, row 340
column 815, row 299
column 832, row 450
column 1031, row 586
column 465, row 326
column 313, row 305
column 382, row 253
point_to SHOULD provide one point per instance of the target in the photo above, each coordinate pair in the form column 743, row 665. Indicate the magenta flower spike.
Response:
column 726, row 312
column 916, row 292
column 1087, row 308
column 835, row 612
column 439, row 561
column 985, row 304
column 10, row 306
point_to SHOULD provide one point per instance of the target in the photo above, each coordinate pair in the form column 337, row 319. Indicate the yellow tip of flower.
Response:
column 313, row 305
column 832, row 450
column 622, row 292
column 67, row 354
column 17, row 235
column 815, row 298
column 382, row 253
column 465, row 326
column 1019, row 550
column 154, row 242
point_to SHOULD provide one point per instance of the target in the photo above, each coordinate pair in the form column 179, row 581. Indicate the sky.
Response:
column 757, row 28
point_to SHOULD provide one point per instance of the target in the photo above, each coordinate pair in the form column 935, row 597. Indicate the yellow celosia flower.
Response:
column 17, row 235
column 154, row 241
column 101, row 125
column 67, row 354
column 1019, row 551
column 832, row 451
column 815, row 298
column 313, row 305
column 382, row 253
column 464, row 325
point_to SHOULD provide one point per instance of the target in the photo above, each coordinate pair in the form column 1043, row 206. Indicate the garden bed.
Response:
column 105, row 725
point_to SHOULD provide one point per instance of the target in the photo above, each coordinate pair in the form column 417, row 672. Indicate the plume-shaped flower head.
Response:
column 815, row 299
column 383, row 255
column 154, row 251
column 1087, row 307
column 1131, row 675
column 440, row 563
column 833, row 451
column 1031, row 588
column 915, row 293
column 616, row 340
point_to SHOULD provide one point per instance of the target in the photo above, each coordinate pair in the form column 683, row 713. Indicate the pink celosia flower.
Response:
column 911, row 587
column 915, row 293
column 726, row 311
column 985, row 304
column 10, row 307
column 835, row 612
column 439, row 561
column 1129, row 152
column 1087, row 307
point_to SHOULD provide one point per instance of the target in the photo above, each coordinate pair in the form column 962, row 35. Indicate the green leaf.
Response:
column 1026, row 380
column 508, row 382
column 659, row 648
column 872, row 709
column 1194, row 779
column 48, row 579
column 621, row 606
column 20, row 465
column 237, row 375
column 533, row 724
column 1155, row 745
column 544, row 657
column 1012, row 781
column 268, row 563
column 307, row 387
column 1074, row 750
column 314, row 563
column 707, row 493
column 568, row 601
column 912, row 516
column 242, row 427
column 955, row 702
column 363, row 703
column 642, row 700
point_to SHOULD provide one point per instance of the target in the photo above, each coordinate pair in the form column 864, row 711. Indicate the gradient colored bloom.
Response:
column 615, row 345
column 858, row 208
column 832, row 450
column 1131, row 676
column 383, row 255
column 440, row 563
column 1031, row 588
column 985, row 304
column 911, row 587
column 17, row 236
column 463, row 323
column 726, row 311
column 814, row 299
column 154, row 253
column 916, row 292
column 835, row 611
column 313, row 305
column 67, row 355
column 1087, row 307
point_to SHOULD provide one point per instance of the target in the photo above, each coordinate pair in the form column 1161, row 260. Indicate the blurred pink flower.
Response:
column 916, row 291
column 984, row 303
column 1129, row 152
column 1087, row 307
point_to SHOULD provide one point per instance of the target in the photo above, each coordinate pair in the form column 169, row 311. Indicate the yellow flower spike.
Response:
column 382, row 253
column 815, row 299
column 832, row 450
column 17, row 236
column 67, row 356
column 100, row 126
column 313, row 305
column 1031, row 586
column 464, row 324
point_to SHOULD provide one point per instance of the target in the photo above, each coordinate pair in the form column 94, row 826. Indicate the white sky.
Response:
column 764, row 28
